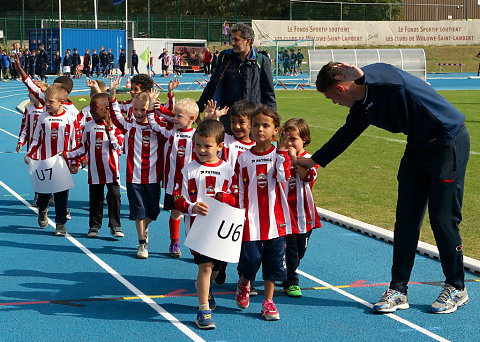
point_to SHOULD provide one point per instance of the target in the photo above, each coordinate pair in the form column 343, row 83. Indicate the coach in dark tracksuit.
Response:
column 95, row 62
column 42, row 63
column 431, row 173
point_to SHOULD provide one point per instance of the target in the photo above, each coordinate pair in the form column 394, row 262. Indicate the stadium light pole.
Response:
column 23, row 21
column 60, row 25
column 126, row 34
column 148, row 14
column 95, row 11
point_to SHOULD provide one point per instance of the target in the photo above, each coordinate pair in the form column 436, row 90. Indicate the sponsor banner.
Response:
column 219, row 233
column 353, row 33
column 50, row 175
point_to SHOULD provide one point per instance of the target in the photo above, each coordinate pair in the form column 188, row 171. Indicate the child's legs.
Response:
column 273, row 264
column 203, row 282
column 292, row 259
column 42, row 201
column 61, row 201
column 174, row 224
column 250, row 260
column 96, row 205
column 113, row 203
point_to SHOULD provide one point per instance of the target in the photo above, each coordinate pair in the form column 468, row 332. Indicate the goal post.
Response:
column 285, row 65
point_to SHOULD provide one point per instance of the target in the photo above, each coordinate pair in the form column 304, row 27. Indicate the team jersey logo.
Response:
column 181, row 151
column 193, row 192
column 146, row 140
column 262, row 180
column 210, row 190
column 54, row 133
column 98, row 143
column 292, row 183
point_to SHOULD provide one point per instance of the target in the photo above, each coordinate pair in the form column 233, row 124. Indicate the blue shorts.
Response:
column 270, row 254
column 144, row 200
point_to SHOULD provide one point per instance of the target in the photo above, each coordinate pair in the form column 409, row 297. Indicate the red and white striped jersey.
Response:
column 53, row 134
column 178, row 151
column 29, row 119
column 261, row 193
column 300, row 199
column 144, row 158
column 84, row 116
column 200, row 180
column 166, row 60
column 177, row 60
column 102, row 149
column 232, row 148
column 126, row 106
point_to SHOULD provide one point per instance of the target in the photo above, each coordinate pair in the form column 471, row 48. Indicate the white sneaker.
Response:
column 142, row 252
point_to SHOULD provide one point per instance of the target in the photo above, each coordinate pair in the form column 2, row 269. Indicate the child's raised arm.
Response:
column 114, row 84
column 172, row 85
column 18, row 66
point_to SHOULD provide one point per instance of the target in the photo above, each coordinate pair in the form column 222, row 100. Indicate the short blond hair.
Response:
column 57, row 91
column 42, row 85
column 188, row 106
column 142, row 97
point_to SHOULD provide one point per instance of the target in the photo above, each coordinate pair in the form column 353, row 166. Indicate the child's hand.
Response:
column 27, row 160
column 16, row 59
column 282, row 144
column 210, row 109
column 172, row 85
column 153, row 95
column 108, row 122
column 305, row 162
column 19, row 147
column 200, row 208
column 221, row 112
column 74, row 169
column 93, row 85
column 219, row 196
column 293, row 154
column 84, row 163
column 115, row 83
column 157, row 105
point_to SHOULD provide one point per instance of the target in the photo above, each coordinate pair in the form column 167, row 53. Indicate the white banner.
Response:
column 354, row 33
column 50, row 175
column 219, row 233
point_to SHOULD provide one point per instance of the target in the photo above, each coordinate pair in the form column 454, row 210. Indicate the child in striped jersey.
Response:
column 300, row 199
column 29, row 119
column 100, row 145
column 143, row 163
column 54, row 132
column 261, row 172
column 206, row 175
column 178, row 153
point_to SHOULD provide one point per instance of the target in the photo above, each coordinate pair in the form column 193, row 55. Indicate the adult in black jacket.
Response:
column 42, row 62
column 122, row 60
column 103, row 62
column 134, row 61
column 76, row 61
column 241, row 73
column 87, row 62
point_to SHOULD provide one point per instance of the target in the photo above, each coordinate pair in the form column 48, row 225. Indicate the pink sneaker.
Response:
column 243, row 296
column 269, row 311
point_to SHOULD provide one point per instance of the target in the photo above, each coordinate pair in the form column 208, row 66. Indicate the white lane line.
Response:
column 168, row 316
column 367, row 304
column 11, row 110
column 13, row 135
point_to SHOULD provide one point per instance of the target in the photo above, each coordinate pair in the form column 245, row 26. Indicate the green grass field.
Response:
column 361, row 183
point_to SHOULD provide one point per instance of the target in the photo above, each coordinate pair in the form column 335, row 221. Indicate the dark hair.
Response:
column 100, row 97
column 245, row 30
column 65, row 82
column 300, row 125
column 268, row 111
column 242, row 108
column 211, row 128
column 326, row 77
column 144, row 81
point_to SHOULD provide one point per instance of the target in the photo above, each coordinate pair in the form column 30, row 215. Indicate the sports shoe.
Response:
column 242, row 297
column 253, row 291
column 93, row 232
column 391, row 300
column 142, row 252
column 43, row 218
column 269, row 311
column 449, row 299
column 69, row 215
column 293, row 291
column 221, row 277
column 174, row 250
column 116, row 232
column 35, row 199
column 204, row 319
column 211, row 301
column 60, row 229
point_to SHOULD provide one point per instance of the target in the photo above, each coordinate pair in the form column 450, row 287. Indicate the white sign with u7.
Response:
column 219, row 233
column 50, row 175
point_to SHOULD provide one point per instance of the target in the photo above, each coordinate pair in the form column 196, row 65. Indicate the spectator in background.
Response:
column 478, row 71
column 67, row 64
column 225, row 28
column 207, row 60
column 95, row 62
column 122, row 60
column 242, row 73
column 110, row 59
column 42, row 62
column 87, row 62
column 214, row 58
column 76, row 61
column 103, row 61
column 5, row 63
column 32, row 63
column 15, row 50
column 58, row 63
column 134, row 62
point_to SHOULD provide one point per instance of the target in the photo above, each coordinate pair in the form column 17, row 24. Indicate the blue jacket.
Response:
column 399, row 103
column 5, row 60
column 257, row 80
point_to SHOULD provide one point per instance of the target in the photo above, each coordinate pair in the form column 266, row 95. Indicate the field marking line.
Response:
column 159, row 309
column 369, row 305
column 11, row 110
column 7, row 132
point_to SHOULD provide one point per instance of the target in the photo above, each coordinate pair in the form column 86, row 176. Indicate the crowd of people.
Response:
column 242, row 155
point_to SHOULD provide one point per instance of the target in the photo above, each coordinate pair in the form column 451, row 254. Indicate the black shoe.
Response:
column 220, row 278
column 253, row 291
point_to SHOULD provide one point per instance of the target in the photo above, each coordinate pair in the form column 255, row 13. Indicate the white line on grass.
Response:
column 367, row 304
column 172, row 319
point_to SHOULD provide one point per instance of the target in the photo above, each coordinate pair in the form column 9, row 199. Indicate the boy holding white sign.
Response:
column 261, row 172
column 54, row 133
column 206, row 175
column 101, row 147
